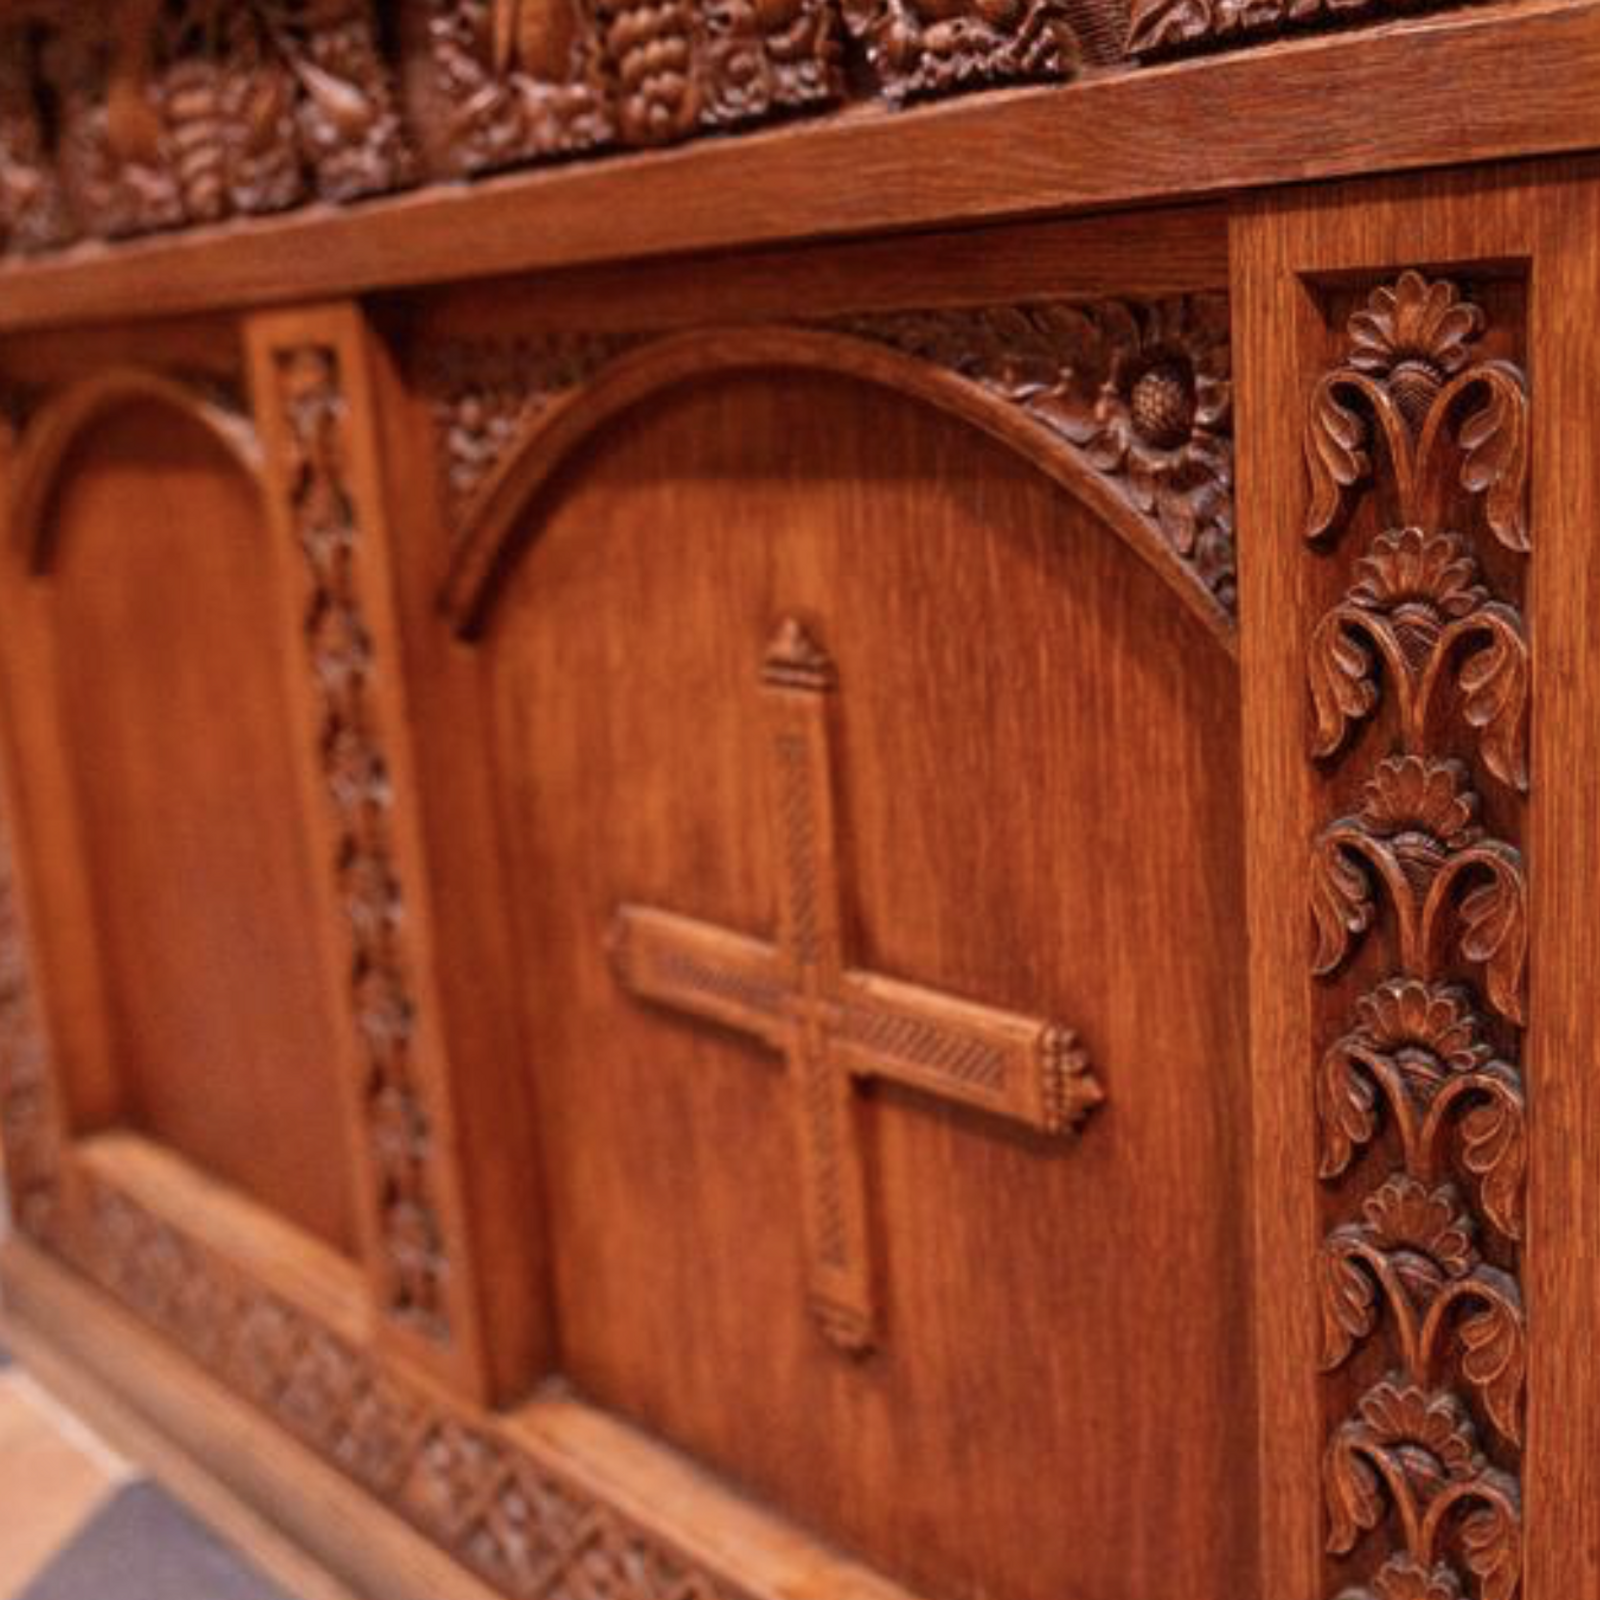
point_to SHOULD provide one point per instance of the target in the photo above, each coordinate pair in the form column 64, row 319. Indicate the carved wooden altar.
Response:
column 801, row 793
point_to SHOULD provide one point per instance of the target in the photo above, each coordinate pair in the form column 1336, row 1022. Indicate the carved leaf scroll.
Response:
column 355, row 773
column 1423, row 1257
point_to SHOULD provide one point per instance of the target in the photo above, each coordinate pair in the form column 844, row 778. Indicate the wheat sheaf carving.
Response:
column 1422, row 664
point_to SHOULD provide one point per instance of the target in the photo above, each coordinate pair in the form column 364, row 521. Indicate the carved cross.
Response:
column 836, row 1025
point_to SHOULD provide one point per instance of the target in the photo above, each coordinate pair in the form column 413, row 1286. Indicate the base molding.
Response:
column 303, row 1522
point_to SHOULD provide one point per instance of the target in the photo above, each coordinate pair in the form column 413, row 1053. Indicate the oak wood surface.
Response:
column 1495, row 231
column 1204, row 127
column 421, row 940
column 217, row 1040
column 1011, row 681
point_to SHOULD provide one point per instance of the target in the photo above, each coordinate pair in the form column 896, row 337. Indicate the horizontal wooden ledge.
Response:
column 1481, row 84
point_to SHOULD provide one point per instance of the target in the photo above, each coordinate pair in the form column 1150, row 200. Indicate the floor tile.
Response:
column 50, row 1481
column 142, row 1545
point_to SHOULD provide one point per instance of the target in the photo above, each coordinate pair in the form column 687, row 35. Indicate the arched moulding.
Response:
column 53, row 430
column 492, row 527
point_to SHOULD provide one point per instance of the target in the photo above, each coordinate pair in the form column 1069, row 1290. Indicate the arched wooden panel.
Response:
column 166, row 667
column 1034, row 787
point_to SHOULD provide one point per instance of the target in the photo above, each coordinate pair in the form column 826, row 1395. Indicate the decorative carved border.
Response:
column 1420, row 1098
column 356, row 776
column 1140, row 392
column 516, row 1518
column 30, row 1122
column 139, row 115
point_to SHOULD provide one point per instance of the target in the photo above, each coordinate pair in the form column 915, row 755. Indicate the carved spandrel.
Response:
column 1424, row 658
column 833, row 1024
column 1136, row 393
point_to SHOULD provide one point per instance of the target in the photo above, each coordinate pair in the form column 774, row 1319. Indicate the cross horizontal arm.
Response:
column 701, row 969
column 1026, row 1069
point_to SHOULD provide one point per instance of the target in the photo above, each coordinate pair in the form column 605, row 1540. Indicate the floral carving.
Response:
column 356, row 776
column 1143, row 389
column 1413, row 1454
column 1419, row 1049
column 1413, row 1252
column 1415, row 409
column 1416, row 837
column 516, row 80
column 33, row 214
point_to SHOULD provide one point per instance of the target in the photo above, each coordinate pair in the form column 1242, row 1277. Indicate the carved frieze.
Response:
column 1419, row 685
column 356, row 777
column 172, row 112
column 152, row 114
column 33, row 215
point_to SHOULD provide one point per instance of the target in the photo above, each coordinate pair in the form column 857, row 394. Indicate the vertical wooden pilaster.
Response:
column 1373, row 994
column 311, row 380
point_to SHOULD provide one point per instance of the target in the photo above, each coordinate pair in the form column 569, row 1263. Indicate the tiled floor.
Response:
column 77, row 1522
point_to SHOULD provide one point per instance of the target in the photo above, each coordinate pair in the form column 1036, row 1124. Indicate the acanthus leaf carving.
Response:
column 1416, row 837
column 1421, row 645
column 1419, row 1049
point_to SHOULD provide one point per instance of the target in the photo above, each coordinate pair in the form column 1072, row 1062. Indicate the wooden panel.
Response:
column 1019, row 705
column 183, row 781
column 1519, row 251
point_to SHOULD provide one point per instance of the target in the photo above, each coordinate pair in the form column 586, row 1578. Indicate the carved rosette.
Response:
column 1142, row 390
column 1420, row 671
column 355, row 773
